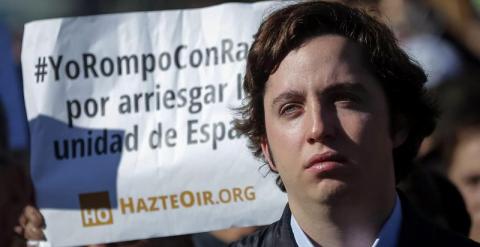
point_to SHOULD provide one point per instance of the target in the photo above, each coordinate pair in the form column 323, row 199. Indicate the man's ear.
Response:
column 267, row 155
column 400, row 129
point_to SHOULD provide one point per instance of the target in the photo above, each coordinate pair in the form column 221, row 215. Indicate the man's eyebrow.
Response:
column 354, row 87
column 288, row 95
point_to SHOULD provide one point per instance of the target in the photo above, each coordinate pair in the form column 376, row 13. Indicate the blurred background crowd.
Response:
column 441, row 35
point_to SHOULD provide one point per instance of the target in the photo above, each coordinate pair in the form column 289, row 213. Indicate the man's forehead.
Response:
column 330, row 46
column 327, row 57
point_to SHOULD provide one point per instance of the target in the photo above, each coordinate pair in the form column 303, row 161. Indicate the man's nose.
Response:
column 320, row 125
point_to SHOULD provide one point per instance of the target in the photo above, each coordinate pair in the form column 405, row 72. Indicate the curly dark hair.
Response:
column 401, row 78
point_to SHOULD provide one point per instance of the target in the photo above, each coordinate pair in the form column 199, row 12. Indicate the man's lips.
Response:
column 326, row 161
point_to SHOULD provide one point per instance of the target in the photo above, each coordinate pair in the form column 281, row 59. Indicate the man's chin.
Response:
column 329, row 191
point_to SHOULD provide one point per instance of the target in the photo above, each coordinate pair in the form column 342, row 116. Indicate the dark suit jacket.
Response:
column 414, row 231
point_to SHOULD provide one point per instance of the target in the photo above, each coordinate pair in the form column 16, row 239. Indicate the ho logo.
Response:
column 95, row 209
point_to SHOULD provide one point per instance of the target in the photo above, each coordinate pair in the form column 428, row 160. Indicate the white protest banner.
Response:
column 130, row 118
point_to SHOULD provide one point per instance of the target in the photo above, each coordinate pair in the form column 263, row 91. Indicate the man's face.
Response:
column 327, row 124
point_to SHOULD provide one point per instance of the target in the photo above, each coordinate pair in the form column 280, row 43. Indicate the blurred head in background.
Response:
column 458, row 138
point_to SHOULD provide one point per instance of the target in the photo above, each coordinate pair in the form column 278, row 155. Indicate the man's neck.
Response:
column 346, row 223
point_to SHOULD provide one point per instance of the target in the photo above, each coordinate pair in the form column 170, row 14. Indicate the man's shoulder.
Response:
column 415, row 231
column 278, row 233
column 428, row 234
column 419, row 231
column 262, row 237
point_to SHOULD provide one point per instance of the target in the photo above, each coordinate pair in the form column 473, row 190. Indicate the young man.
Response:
column 338, row 110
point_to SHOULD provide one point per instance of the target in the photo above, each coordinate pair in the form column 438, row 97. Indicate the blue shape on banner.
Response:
column 63, row 180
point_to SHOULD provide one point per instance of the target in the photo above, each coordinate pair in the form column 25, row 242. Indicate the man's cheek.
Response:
column 372, row 134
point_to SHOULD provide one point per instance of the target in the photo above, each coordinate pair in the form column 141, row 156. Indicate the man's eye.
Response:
column 347, row 99
column 290, row 109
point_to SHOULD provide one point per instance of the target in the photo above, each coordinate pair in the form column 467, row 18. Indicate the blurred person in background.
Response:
column 15, row 190
column 11, row 96
column 460, row 19
column 457, row 138
column 420, row 33
column 443, row 36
